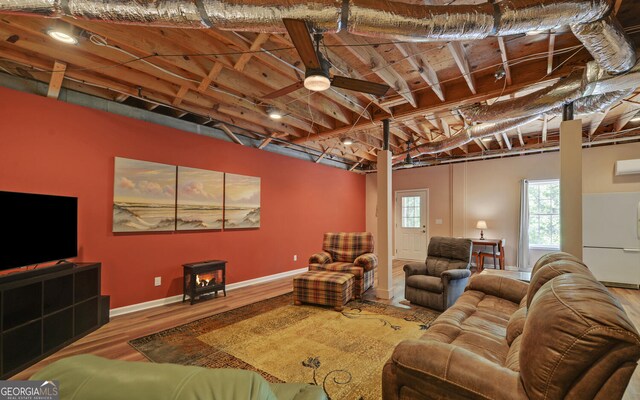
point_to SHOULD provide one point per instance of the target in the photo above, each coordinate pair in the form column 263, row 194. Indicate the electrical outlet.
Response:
column 295, row 257
column 157, row 281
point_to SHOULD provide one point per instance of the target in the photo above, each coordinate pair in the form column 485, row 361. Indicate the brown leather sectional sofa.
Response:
column 563, row 336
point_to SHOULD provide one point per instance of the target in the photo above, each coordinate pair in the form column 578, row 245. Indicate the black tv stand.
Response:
column 30, row 273
column 43, row 310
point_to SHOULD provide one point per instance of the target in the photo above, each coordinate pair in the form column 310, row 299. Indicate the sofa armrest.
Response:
column 435, row 369
column 415, row 268
column 455, row 274
column 320, row 258
column 368, row 261
column 499, row 286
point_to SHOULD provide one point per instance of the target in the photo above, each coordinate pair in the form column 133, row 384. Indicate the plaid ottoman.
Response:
column 324, row 288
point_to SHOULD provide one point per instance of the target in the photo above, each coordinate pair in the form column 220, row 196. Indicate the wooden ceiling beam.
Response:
column 331, row 102
column 520, row 138
column 354, row 166
column 552, row 47
column 596, row 121
column 57, row 76
column 347, row 99
column 460, row 57
column 481, row 145
column 246, row 115
column 255, row 46
column 616, row 6
column 172, row 41
column 523, row 76
column 628, row 110
column 325, row 152
column 180, row 95
column 358, row 46
column 213, row 74
column 229, row 133
column 267, row 140
column 507, row 140
column 505, row 59
column 422, row 65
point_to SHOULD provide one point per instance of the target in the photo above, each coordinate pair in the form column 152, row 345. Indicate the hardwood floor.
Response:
column 111, row 340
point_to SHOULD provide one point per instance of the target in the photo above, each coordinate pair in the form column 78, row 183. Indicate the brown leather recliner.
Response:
column 562, row 336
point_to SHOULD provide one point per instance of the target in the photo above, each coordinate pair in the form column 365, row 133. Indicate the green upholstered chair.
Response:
column 90, row 377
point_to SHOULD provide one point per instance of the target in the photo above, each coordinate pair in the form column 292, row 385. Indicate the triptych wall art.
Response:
column 153, row 197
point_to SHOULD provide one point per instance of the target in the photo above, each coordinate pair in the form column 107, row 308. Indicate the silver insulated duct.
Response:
column 614, row 70
column 584, row 105
column 361, row 17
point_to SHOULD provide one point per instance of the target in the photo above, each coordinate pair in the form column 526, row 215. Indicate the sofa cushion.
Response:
column 437, row 265
column 552, row 257
column 513, row 356
column 347, row 246
column 549, row 271
column 516, row 324
column 476, row 322
column 451, row 248
column 424, row 282
column 575, row 335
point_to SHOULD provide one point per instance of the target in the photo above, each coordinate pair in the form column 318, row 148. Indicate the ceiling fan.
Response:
column 409, row 161
column 317, row 77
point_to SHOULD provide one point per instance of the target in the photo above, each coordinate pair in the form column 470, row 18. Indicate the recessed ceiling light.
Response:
column 62, row 36
column 486, row 139
column 274, row 113
column 635, row 119
column 532, row 33
column 347, row 141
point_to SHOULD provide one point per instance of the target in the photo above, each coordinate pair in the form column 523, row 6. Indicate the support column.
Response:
column 384, row 290
column 571, row 187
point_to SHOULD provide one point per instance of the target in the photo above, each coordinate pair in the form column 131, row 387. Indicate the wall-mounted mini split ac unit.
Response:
column 627, row 167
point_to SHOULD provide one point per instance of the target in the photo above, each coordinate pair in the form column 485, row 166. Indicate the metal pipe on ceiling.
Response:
column 376, row 18
column 615, row 68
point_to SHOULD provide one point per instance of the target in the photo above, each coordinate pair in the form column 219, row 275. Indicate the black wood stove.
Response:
column 203, row 278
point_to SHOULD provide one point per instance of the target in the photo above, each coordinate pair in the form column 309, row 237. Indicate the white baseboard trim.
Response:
column 384, row 293
column 177, row 298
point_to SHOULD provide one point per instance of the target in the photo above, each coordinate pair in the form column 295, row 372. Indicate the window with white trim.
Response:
column 544, row 214
column 411, row 211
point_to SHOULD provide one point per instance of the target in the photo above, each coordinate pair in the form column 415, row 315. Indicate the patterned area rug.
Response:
column 342, row 351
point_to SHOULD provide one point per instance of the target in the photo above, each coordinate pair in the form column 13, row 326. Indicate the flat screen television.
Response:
column 37, row 228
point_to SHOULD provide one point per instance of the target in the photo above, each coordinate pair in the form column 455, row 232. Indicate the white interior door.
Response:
column 411, row 224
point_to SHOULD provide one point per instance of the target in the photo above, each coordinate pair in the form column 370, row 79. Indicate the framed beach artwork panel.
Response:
column 200, row 196
column 241, row 202
column 144, row 196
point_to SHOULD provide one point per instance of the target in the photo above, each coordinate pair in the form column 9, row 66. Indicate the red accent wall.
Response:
column 52, row 147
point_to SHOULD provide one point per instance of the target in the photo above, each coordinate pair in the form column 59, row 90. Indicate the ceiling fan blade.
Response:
column 284, row 90
column 376, row 89
column 301, row 38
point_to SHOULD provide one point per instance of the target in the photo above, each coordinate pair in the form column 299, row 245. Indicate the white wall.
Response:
column 460, row 194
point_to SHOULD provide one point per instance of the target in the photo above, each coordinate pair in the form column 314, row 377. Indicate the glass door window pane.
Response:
column 411, row 212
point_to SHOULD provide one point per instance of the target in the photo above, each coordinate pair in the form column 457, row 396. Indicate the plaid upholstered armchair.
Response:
column 350, row 252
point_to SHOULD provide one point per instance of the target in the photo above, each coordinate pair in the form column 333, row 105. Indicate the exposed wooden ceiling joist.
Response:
column 505, row 59
column 56, row 79
column 460, row 56
column 370, row 57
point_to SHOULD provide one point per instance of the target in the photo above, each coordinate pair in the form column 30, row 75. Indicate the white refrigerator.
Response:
column 611, row 237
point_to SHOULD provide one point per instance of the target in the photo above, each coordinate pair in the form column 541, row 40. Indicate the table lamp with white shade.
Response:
column 481, row 225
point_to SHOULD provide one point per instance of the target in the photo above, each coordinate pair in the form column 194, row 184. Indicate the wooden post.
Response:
column 384, row 249
column 571, row 187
